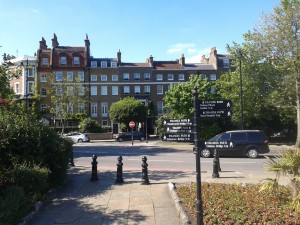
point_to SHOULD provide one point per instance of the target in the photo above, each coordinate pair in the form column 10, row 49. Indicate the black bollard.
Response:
column 216, row 165
column 119, row 179
column 72, row 159
column 145, row 179
column 94, row 169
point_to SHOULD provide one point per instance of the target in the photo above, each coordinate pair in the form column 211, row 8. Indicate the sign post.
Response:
column 132, row 125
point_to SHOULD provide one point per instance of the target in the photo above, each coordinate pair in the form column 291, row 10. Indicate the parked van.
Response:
column 249, row 143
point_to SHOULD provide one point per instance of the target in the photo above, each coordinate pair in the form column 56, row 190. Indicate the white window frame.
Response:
column 30, row 71
column 160, row 107
column 170, row 76
column 43, row 77
column 63, row 60
column 147, row 76
column 17, row 88
column 103, row 64
column 147, row 89
column 30, row 87
column 76, row 60
column 114, row 90
column 59, row 90
column 59, row 76
column 70, row 76
column 44, row 92
column 103, row 90
column 93, row 77
column 44, row 107
column 94, row 109
column 126, row 90
column 104, row 109
column 45, row 61
column 126, row 76
column 226, row 63
column 137, row 90
column 81, row 91
column 181, row 76
column 113, row 64
column 103, row 77
column 81, row 107
column 93, row 90
column 81, row 76
column 203, row 76
column 137, row 76
column 213, row 76
column 115, row 77
column 93, row 64
column 159, row 76
column 160, row 89
column 70, row 90
column 213, row 90
column 70, row 109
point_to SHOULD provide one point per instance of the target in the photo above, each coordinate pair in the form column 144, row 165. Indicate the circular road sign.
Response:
column 132, row 124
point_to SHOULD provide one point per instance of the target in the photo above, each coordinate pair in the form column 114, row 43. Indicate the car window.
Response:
column 224, row 137
column 238, row 136
column 256, row 137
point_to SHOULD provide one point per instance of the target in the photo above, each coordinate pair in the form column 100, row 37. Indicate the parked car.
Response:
column 77, row 137
column 249, row 143
column 137, row 135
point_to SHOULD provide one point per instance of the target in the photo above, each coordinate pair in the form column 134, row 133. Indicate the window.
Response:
column 115, row 77
column 137, row 90
column 70, row 76
column 59, row 76
column 58, row 91
column 45, row 61
column 147, row 89
column 160, row 89
column 43, row 77
column 44, row 107
column 103, row 90
column 30, row 71
column 104, row 109
column 17, row 88
column 76, row 60
column 93, row 64
column 159, row 77
column 93, row 77
column 44, row 92
column 30, row 87
column 81, row 91
column 63, row 60
column 114, row 90
column 126, row 76
column 160, row 108
column 94, row 109
column 81, row 76
column 126, row 90
column 103, row 77
column 81, row 107
column 146, row 76
column 70, row 109
column 70, row 90
column 213, row 77
column 103, row 64
column 93, row 90
column 226, row 63
column 203, row 76
column 170, row 77
column 137, row 76
column 213, row 90
column 238, row 137
column 180, row 76
column 113, row 64
column 104, row 123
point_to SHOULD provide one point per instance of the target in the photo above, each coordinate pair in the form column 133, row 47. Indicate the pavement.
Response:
column 84, row 202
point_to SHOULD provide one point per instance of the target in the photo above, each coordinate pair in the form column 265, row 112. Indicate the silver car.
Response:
column 77, row 137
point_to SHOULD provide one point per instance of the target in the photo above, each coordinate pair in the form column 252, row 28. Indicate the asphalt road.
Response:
column 161, row 156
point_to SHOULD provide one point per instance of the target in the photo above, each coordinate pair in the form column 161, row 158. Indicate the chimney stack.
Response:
column 43, row 44
column 119, row 58
column 54, row 41
column 151, row 60
column 182, row 60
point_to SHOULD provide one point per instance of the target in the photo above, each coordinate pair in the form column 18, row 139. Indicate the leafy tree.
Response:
column 89, row 125
column 126, row 110
column 6, row 73
column 277, row 37
column 66, row 95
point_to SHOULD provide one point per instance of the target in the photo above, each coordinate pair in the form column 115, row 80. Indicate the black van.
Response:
column 249, row 143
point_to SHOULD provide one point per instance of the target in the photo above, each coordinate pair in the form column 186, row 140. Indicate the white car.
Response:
column 77, row 137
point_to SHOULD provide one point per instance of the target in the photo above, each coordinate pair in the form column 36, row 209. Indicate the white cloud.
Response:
column 181, row 48
column 195, row 58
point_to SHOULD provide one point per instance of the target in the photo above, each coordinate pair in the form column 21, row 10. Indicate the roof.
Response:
column 167, row 65
column 199, row 66
column 135, row 65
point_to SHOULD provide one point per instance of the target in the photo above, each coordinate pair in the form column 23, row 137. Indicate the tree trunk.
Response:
column 297, row 144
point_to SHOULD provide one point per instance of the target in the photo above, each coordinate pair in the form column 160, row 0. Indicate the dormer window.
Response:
column 93, row 64
column 226, row 63
column 113, row 64
column 63, row 60
column 76, row 60
column 104, row 64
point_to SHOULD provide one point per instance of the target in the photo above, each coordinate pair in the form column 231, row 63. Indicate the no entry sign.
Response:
column 132, row 124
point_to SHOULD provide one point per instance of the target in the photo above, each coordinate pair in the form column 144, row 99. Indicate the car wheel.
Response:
column 80, row 140
column 206, row 153
column 120, row 139
column 252, row 153
column 142, row 139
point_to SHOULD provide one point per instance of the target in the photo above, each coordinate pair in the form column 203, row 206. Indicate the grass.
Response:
column 239, row 204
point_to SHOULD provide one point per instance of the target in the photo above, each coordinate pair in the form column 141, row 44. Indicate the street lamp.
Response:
column 146, row 125
column 241, row 90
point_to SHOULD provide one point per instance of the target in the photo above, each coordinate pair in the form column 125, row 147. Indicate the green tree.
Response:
column 126, row 110
column 66, row 95
column 277, row 37
column 6, row 73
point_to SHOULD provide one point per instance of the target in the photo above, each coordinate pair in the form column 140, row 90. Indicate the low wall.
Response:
column 100, row 136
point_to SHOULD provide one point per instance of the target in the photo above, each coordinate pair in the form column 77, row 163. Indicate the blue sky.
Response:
column 139, row 28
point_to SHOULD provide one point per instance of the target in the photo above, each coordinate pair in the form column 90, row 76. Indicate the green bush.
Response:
column 34, row 180
column 89, row 125
column 13, row 206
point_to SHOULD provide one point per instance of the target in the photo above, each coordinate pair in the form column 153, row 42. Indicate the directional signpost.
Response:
column 218, row 144
column 179, row 130
column 215, row 109
column 178, row 137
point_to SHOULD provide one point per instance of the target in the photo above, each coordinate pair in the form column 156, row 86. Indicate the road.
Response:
column 160, row 157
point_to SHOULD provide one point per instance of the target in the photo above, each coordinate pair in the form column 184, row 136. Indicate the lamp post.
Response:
column 146, row 125
column 241, row 90
column 26, row 87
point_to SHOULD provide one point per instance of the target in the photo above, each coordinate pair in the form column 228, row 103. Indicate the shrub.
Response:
column 89, row 125
column 13, row 206
column 34, row 180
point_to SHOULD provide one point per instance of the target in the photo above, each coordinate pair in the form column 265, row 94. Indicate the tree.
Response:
column 278, row 38
column 67, row 97
column 128, row 109
column 6, row 73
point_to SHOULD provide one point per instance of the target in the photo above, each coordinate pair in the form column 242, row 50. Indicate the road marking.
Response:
column 222, row 162
column 156, row 160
